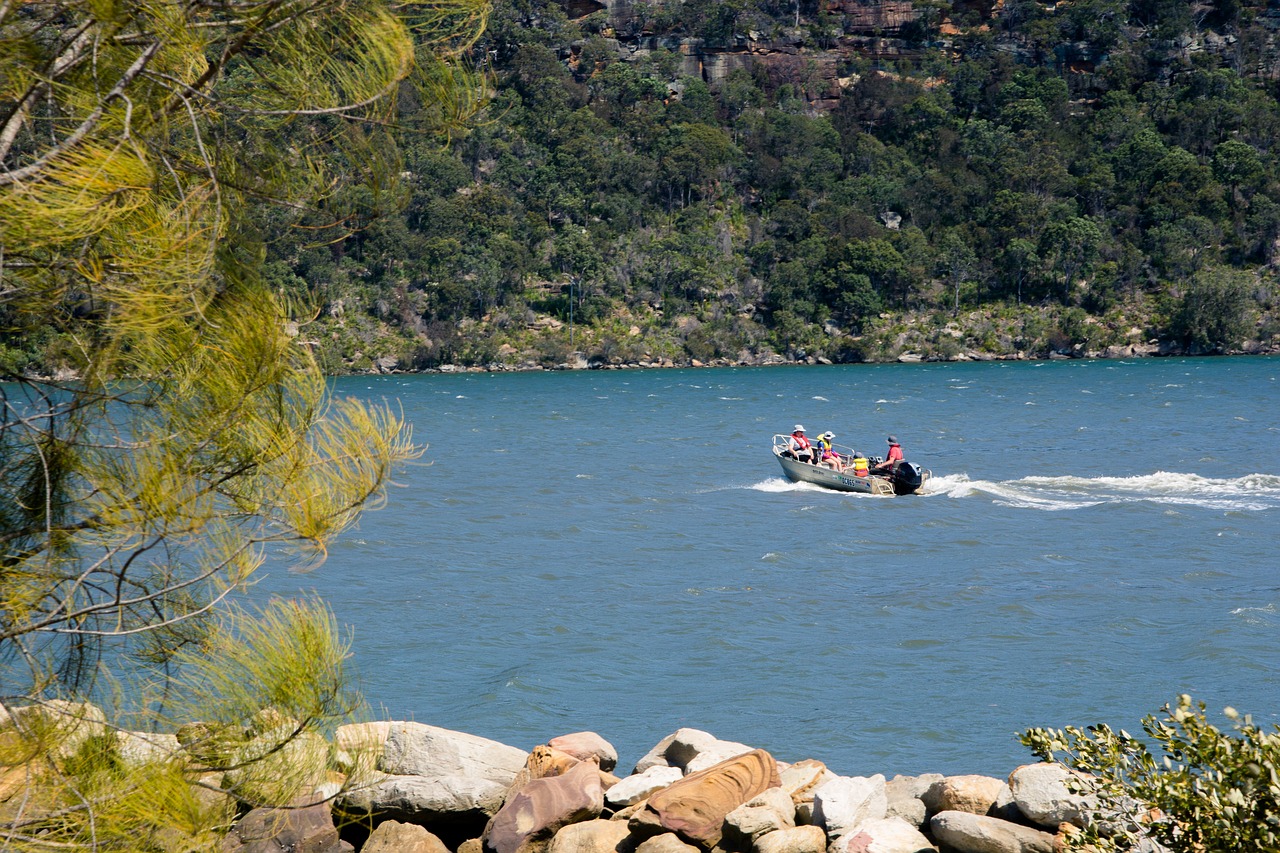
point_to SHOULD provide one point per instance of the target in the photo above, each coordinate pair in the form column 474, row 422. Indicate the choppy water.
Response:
column 617, row 551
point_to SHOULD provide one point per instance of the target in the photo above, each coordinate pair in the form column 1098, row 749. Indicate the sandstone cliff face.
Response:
column 872, row 29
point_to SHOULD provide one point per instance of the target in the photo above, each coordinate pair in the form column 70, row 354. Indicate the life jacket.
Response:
column 802, row 443
column 861, row 467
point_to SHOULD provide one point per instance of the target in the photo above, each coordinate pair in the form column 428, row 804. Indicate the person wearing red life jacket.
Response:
column 798, row 445
column 891, row 461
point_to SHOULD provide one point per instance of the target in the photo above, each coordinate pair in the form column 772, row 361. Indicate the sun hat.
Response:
column 798, row 428
column 828, row 434
column 893, row 440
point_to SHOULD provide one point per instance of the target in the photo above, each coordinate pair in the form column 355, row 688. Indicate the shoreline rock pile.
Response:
column 414, row 788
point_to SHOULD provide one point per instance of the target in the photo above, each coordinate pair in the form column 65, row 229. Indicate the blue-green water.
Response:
column 617, row 551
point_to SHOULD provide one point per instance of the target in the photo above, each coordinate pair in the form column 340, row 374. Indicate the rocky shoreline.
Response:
column 1160, row 350
column 408, row 787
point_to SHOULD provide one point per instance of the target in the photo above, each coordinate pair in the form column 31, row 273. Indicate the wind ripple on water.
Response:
column 1254, row 492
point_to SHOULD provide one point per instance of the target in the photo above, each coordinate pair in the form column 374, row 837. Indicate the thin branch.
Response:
column 86, row 127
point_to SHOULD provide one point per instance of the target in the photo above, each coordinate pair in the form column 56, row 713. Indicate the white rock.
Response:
column 844, row 803
column 889, row 835
column 138, row 748
column 420, row 799
column 415, row 749
column 768, row 812
column 633, row 789
column 681, row 747
column 1041, row 793
column 971, row 833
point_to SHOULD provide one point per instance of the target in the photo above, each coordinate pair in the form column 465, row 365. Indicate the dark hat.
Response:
column 893, row 440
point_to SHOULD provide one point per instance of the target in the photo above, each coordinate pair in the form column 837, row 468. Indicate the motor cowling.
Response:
column 907, row 478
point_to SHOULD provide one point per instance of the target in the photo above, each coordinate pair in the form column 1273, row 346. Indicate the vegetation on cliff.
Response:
column 754, row 180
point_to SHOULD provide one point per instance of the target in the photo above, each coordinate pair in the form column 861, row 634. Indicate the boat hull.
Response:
column 803, row 472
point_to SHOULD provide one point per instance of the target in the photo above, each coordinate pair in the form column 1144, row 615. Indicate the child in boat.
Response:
column 827, row 455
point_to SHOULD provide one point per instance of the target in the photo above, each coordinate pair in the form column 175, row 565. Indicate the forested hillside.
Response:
column 755, row 180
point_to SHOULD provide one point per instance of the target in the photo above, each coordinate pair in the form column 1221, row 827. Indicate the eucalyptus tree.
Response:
column 188, row 431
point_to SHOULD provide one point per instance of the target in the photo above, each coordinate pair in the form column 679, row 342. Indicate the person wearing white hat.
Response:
column 798, row 445
column 827, row 454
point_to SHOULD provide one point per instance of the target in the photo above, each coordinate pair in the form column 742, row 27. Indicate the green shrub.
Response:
column 1211, row 792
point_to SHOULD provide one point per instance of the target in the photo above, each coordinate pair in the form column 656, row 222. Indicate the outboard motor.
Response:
column 907, row 478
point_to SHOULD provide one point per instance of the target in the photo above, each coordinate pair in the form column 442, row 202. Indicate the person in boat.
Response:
column 891, row 460
column 798, row 446
column 827, row 454
column 861, row 464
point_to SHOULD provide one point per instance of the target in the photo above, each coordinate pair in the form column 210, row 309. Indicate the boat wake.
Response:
column 1253, row 493
column 780, row 484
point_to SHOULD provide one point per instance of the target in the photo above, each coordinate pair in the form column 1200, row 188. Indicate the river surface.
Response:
column 618, row 552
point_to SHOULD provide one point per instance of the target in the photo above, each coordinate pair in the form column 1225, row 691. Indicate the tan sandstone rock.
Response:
column 972, row 794
column 391, row 836
column 592, row 836
column 667, row 842
column 801, row 839
column 695, row 807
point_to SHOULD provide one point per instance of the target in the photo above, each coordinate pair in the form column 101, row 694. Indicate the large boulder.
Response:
column 530, row 818
column 358, row 747
column 273, row 830
column 684, row 746
column 587, row 745
column 416, row 749
column 591, row 836
column 1042, row 793
column 887, row 835
column 767, row 812
column 695, row 807
column 801, row 839
column 843, row 804
column 633, row 789
column 667, row 842
column 906, row 798
column 444, row 803
column 277, row 767
column 55, row 728
column 135, row 749
column 972, row 794
column 971, row 833
column 392, row 836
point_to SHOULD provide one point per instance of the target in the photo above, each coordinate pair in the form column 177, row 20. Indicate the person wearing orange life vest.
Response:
column 798, row 445
column 861, row 465
column 891, row 461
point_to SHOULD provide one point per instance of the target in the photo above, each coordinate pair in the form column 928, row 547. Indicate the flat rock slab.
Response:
column 416, row 749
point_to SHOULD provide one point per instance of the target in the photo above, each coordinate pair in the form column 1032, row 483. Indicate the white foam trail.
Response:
column 778, row 484
column 1254, row 492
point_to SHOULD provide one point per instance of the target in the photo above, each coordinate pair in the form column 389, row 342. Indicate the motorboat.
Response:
column 904, row 478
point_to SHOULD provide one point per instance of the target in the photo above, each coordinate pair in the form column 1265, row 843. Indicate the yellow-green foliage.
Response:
column 139, row 144
column 1212, row 791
